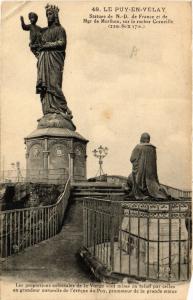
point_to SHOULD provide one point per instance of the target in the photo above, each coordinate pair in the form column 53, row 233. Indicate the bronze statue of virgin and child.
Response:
column 48, row 44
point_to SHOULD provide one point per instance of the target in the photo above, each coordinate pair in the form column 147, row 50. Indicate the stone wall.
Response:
column 14, row 196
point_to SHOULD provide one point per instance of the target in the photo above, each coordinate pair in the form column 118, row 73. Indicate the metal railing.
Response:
column 148, row 240
column 56, row 176
column 21, row 228
column 174, row 192
column 177, row 193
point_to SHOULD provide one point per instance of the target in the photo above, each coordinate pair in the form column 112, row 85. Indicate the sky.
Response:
column 114, row 95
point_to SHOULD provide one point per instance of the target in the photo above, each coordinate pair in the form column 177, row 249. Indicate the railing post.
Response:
column 112, row 235
column 120, row 237
column 170, row 243
column 94, row 232
column 189, row 242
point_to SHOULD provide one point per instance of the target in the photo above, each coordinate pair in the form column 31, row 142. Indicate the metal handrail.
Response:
column 21, row 228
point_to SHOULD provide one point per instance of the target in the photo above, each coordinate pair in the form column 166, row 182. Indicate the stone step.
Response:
column 74, row 217
column 98, row 190
column 96, row 184
column 93, row 194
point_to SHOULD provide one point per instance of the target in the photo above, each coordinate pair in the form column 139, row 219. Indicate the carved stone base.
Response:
column 56, row 121
column 54, row 153
column 155, row 234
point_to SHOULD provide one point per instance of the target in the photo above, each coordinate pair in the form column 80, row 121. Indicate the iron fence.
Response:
column 177, row 193
column 150, row 240
column 21, row 228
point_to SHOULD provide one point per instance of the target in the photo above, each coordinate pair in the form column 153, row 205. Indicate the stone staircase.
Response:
column 56, row 258
column 97, row 190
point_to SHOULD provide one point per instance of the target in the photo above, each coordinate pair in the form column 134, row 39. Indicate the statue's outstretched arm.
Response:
column 23, row 25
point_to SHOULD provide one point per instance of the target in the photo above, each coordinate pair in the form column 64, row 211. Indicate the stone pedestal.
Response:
column 52, row 153
column 155, row 236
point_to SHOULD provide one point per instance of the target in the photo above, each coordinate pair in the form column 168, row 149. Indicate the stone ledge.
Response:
column 55, row 132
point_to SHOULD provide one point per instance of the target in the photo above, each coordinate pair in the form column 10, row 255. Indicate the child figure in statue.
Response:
column 35, row 32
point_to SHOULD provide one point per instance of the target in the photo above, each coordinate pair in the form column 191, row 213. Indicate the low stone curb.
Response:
column 100, row 271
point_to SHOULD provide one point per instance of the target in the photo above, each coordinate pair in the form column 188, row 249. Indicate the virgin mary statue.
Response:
column 51, row 56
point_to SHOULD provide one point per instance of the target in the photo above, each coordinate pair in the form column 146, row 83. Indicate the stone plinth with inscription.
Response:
column 155, row 236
